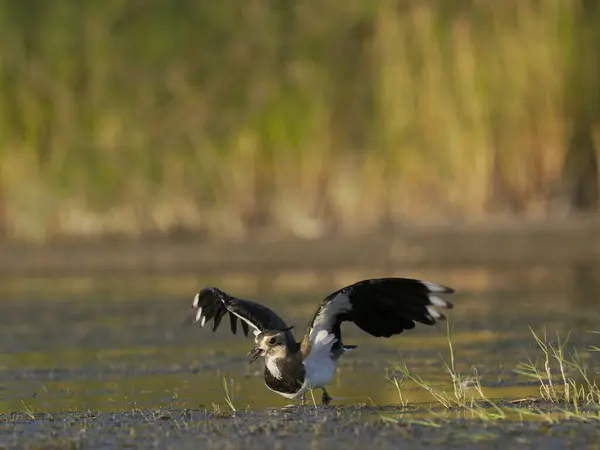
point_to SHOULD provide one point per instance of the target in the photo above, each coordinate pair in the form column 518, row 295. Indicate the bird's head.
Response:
column 269, row 343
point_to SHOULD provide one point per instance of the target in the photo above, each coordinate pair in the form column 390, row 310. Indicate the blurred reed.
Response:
column 305, row 117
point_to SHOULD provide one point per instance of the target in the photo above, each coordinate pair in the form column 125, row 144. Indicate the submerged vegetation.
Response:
column 304, row 117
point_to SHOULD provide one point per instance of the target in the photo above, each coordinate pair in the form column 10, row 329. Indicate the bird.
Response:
column 382, row 307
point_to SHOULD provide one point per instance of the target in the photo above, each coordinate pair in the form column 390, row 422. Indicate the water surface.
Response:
column 124, row 346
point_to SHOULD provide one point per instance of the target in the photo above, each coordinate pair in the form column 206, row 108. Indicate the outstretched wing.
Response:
column 213, row 304
column 382, row 307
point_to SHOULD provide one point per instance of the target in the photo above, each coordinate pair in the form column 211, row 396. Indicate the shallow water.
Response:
column 119, row 350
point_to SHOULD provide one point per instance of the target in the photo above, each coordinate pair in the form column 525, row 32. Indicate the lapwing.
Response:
column 382, row 307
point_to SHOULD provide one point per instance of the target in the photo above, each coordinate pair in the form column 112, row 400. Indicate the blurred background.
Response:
column 227, row 119
column 275, row 147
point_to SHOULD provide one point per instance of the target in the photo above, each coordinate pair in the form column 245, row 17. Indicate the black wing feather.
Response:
column 382, row 307
column 233, row 320
column 245, row 328
column 218, row 317
column 212, row 303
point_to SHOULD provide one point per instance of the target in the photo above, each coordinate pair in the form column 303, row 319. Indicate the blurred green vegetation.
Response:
column 302, row 117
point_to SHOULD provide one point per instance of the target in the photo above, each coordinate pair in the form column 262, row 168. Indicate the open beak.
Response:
column 254, row 354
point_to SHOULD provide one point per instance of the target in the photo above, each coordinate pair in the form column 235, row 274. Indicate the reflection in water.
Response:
column 119, row 345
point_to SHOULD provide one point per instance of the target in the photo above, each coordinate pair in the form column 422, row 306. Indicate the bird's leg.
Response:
column 326, row 399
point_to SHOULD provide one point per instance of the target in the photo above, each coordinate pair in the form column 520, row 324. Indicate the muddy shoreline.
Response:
column 313, row 428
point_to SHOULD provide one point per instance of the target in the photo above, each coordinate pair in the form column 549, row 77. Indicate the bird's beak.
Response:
column 254, row 354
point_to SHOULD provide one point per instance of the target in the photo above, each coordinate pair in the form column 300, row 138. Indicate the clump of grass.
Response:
column 229, row 410
column 398, row 382
column 551, row 352
column 28, row 411
column 228, row 398
column 462, row 385
column 149, row 415
column 220, row 412
column 563, row 378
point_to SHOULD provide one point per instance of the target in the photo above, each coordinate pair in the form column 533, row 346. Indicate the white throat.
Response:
column 272, row 367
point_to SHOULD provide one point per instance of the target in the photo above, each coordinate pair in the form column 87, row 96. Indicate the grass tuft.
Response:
column 463, row 385
column 564, row 382
column 563, row 378
column 228, row 398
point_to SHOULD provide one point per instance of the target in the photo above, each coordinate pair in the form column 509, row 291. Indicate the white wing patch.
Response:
column 433, row 287
column 436, row 301
column 255, row 331
column 325, row 318
column 433, row 313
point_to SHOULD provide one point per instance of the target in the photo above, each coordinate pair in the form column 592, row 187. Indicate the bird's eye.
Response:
column 272, row 341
